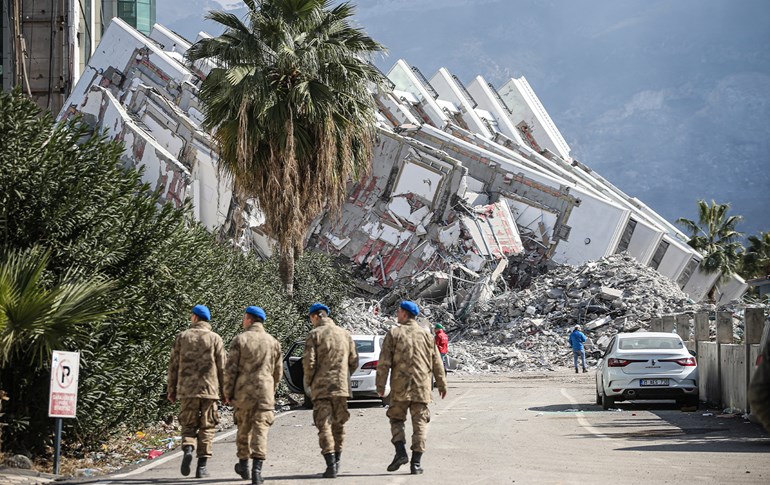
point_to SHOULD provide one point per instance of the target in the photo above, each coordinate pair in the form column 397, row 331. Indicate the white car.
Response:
column 362, row 381
column 647, row 366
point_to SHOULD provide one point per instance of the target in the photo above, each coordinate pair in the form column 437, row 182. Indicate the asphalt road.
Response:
column 522, row 428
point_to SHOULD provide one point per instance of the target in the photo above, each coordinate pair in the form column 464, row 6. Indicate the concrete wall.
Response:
column 708, row 372
column 725, row 368
column 733, row 379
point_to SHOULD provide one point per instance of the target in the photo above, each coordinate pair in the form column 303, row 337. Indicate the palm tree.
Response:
column 756, row 259
column 38, row 316
column 290, row 106
column 715, row 236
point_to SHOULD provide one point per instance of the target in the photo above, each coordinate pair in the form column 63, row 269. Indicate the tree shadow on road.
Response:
column 140, row 481
column 318, row 477
column 669, row 428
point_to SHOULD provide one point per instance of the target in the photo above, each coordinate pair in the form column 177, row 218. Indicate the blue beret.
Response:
column 319, row 306
column 257, row 312
column 202, row 311
column 411, row 307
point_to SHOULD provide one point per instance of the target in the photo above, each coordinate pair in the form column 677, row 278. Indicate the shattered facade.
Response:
column 463, row 178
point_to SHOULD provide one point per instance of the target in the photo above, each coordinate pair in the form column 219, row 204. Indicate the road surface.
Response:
column 522, row 429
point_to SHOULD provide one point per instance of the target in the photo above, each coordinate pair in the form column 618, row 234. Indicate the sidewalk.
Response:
column 16, row 476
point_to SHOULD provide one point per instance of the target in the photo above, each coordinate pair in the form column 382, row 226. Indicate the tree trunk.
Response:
column 286, row 270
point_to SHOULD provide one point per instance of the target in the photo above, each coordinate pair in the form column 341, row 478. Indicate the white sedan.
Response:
column 647, row 366
column 362, row 381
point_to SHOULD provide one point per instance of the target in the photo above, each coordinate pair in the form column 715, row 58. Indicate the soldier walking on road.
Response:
column 330, row 358
column 195, row 378
column 251, row 378
column 411, row 356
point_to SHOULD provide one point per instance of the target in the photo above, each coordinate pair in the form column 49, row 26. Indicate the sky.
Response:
column 668, row 100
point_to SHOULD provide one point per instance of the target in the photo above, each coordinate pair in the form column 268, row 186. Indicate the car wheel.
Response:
column 607, row 402
column 307, row 403
column 598, row 397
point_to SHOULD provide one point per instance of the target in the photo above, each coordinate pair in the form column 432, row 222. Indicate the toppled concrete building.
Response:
column 463, row 177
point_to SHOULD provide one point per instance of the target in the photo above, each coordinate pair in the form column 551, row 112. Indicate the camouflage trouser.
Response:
column 198, row 418
column 420, row 419
column 330, row 416
column 253, row 425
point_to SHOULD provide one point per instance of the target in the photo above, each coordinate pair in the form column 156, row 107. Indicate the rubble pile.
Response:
column 494, row 329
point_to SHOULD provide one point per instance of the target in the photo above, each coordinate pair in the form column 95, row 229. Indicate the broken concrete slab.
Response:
column 610, row 294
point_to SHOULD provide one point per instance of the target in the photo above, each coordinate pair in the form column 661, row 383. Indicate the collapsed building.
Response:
column 463, row 178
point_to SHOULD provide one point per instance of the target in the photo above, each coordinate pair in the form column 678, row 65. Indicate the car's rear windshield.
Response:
column 365, row 346
column 649, row 343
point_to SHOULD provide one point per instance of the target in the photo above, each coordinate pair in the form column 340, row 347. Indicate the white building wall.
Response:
column 595, row 229
column 487, row 100
column 525, row 106
column 448, row 89
column 644, row 241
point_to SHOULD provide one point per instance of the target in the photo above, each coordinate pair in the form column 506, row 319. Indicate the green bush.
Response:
column 64, row 189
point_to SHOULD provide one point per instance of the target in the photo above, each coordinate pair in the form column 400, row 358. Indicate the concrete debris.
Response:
column 527, row 329
column 18, row 461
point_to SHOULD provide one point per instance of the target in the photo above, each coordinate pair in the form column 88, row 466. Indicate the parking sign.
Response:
column 63, row 397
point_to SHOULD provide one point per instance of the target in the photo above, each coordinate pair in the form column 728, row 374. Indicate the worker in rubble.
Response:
column 577, row 341
column 410, row 356
column 759, row 389
column 329, row 359
column 195, row 378
column 252, row 375
column 442, row 342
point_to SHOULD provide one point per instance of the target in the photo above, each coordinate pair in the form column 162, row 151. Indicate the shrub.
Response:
column 64, row 188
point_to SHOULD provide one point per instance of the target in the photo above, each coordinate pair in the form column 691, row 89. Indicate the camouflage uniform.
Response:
column 195, row 378
column 330, row 357
column 251, row 378
column 411, row 356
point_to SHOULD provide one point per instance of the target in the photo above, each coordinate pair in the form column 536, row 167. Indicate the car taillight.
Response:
column 612, row 362
column 686, row 362
column 759, row 359
column 370, row 365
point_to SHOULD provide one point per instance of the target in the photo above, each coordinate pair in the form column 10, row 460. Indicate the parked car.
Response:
column 362, row 381
column 648, row 366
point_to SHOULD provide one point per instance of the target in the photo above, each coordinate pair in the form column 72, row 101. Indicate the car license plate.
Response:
column 653, row 382
column 354, row 384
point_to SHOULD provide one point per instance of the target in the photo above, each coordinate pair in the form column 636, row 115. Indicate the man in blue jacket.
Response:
column 576, row 340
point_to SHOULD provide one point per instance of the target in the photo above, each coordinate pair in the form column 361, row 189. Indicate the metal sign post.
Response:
column 63, row 396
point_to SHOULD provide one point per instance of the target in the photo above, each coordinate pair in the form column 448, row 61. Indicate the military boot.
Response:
column 401, row 457
column 201, row 471
column 256, row 472
column 414, row 466
column 331, row 469
column 242, row 468
column 337, row 460
column 186, row 459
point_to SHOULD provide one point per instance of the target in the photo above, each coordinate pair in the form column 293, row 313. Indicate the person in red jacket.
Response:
column 442, row 342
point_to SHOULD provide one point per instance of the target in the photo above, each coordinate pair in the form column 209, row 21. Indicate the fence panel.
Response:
column 708, row 372
column 734, row 381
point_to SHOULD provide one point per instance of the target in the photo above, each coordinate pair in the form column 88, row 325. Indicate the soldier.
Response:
column 195, row 378
column 330, row 357
column 251, row 378
column 411, row 356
